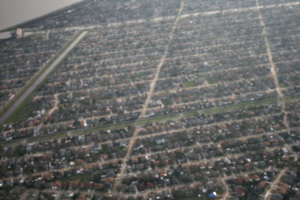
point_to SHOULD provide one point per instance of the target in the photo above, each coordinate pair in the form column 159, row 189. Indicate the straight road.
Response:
column 274, row 183
column 145, row 107
column 40, row 79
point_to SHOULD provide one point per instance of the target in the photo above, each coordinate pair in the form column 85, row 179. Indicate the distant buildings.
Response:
column 18, row 33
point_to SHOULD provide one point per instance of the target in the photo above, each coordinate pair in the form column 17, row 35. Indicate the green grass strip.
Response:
column 153, row 119
column 35, row 77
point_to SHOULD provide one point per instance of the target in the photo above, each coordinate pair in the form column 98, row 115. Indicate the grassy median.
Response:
column 23, row 111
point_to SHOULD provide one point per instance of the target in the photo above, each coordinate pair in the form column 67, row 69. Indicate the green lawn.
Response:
column 210, row 81
column 246, row 76
column 283, row 85
column 46, row 137
column 82, row 178
column 101, row 84
column 246, row 60
column 199, row 76
column 142, row 73
column 190, row 114
column 188, row 84
column 216, row 63
column 23, row 112
column 166, row 102
column 75, row 94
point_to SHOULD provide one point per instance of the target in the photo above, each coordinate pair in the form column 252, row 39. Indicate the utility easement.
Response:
column 40, row 79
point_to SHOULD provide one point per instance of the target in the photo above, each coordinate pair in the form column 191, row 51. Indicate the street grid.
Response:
column 201, row 56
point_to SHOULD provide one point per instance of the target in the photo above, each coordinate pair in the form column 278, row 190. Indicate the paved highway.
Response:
column 40, row 79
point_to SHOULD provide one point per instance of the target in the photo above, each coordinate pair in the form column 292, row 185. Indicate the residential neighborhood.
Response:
column 159, row 99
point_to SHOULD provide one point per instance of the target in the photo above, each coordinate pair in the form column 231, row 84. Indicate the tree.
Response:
column 1, row 150
column 18, row 151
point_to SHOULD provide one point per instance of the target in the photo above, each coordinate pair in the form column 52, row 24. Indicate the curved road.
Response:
column 40, row 79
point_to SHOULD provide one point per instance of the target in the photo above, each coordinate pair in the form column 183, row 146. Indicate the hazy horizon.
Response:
column 12, row 12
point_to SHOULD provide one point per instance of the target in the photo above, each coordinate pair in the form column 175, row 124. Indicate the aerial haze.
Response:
column 13, row 12
column 151, row 100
